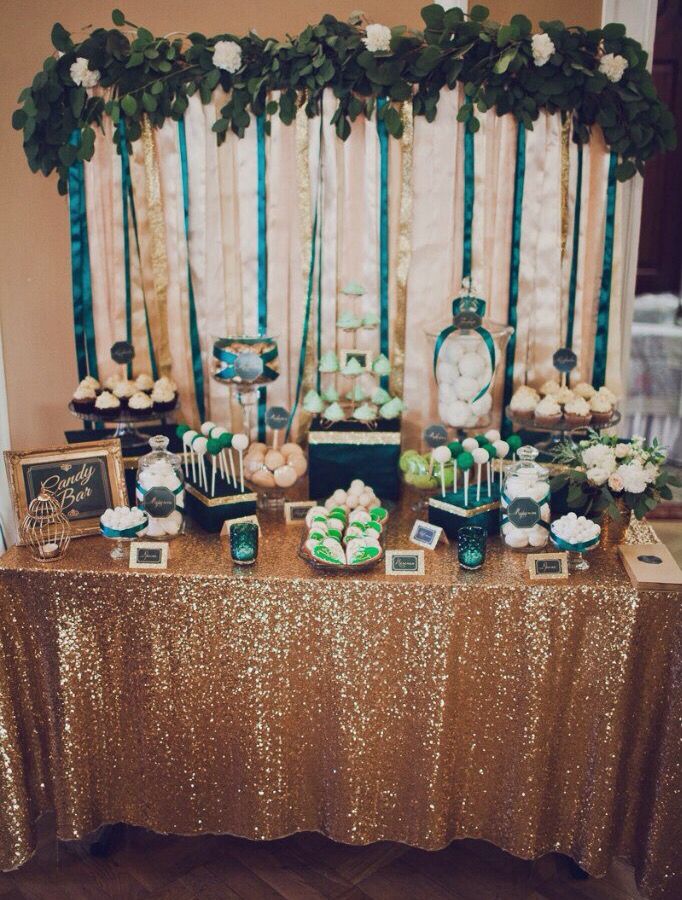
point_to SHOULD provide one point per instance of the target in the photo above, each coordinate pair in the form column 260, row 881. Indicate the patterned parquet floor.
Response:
column 301, row 867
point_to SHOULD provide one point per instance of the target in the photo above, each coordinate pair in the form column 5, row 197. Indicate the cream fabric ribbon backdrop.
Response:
column 306, row 161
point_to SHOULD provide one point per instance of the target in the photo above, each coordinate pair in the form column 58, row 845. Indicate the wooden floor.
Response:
column 301, row 867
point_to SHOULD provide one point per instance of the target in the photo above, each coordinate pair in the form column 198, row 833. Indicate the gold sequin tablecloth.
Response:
column 541, row 717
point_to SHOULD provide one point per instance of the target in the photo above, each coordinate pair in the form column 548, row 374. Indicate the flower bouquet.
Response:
column 613, row 477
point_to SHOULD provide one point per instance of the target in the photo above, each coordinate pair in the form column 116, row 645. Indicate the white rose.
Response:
column 378, row 38
column 633, row 477
column 623, row 450
column 613, row 66
column 597, row 476
column 542, row 47
column 650, row 473
column 615, row 482
column 227, row 55
column 600, row 456
column 82, row 75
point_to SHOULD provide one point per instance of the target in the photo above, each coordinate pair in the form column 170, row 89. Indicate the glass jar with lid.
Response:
column 160, row 490
column 525, row 503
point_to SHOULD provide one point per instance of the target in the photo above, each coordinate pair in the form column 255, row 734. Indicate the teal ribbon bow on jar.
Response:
column 467, row 314
column 575, row 548
column 540, row 503
column 229, row 358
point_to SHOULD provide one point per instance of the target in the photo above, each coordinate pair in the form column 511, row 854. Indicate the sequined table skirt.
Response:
column 258, row 702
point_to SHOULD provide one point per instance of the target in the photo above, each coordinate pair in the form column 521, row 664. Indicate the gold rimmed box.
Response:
column 211, row 512
column 451, row 512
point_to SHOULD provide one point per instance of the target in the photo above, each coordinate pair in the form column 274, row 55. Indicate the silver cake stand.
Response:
column 558, row 432
column 125, row 424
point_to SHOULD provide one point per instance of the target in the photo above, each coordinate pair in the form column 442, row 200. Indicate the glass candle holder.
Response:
column 471, row 541
column 244, row 543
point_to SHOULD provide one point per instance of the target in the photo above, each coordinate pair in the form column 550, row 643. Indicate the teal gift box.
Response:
column 451, row 513
column 211, row 512
column 345, row 450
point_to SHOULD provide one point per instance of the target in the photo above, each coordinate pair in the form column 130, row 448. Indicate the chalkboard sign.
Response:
column 547, row 565
column 467, row 319
column 148, row 555
column 523, row 512
column 86, row 479
column 122, row 352
column 435, row 436
column 404, row 562
column 159, row 502
column 564, row 360
column 277, row 417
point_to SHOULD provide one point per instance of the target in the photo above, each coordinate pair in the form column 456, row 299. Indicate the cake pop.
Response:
column 465, row 461
column 442, row 455
column 240, row 442
column 213, row 448
column 480, row 456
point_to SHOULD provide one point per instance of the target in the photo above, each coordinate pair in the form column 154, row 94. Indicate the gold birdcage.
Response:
column 45, row 530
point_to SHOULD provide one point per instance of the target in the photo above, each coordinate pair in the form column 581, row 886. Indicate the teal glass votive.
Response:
column 244, row 543
column 471, row 540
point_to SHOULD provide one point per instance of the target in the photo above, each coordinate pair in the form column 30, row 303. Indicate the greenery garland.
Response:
column 597, row 76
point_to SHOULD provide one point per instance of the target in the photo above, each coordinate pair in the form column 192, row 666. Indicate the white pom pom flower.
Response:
column 378, row 39
column 612, row 65
column 227, row 55
column 543, row 48
column 82, row 75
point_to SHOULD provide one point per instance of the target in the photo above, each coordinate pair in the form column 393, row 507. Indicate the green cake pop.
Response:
column 225, row 440
column 481, row 440
column 514, row 441
column 213, row 446
column 455, row 448
column 181, row 430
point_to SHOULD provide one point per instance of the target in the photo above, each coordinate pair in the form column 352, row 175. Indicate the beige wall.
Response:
column 35, row 299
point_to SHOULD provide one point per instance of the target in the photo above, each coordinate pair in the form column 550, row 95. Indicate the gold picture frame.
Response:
column 93, row 480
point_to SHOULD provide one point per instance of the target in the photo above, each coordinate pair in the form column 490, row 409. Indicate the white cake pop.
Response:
column 481, row 457
column 442, row 455
column 492, row 435
column 199, row 446
column 469, row 444
column 240, row 442
column 206, row 428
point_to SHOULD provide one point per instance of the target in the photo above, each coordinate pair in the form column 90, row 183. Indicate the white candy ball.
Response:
column 516, row 539
column 453, row 350
column 330, row 503
column 356, row 485
column 483, row 405
column 455, row 414
column 537, row 536
column 340, row 496
column 352, row 501
column 364, row 499
column 155, row 528
column 466, row 388
column 442, row 454
column 240, row 442
column 471, row 364
column 170, row 526
column 446, row 372
column 492, row 435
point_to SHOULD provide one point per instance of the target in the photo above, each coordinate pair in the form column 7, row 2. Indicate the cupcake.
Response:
column 312, row 403
column 111, row 382
column 141, row 404
column 380, row 396
column 84, row 397
column 348, row 321
column 330, row 394
column 329, row 362
column 563, row 396
column 610, row 396
column 124, row 390
column 144, row 383
column 365, row 413
column 107, row 405
column 166, row 383
column 334, row 413
column 163, row 397
column 381, row 365
column 89, row 381
column 577, row 412
column 547, row 413
column 601, row 409
column 549, row 388
column 352, row 368
column 584, row 390
column 392, row 408
column 523, row 404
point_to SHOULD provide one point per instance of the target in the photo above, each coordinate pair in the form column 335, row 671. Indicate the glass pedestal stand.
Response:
column 125, row 425
column 560, row 431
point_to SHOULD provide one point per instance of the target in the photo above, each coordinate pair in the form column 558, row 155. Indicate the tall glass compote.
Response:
column 246, row 363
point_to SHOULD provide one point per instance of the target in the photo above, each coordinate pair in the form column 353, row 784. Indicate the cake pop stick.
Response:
column 200, row 445
column 455, row 450
column 181, row 431
column 514, row 442
column 215, row 433
column 502, row 450
column 465, row 461
column 187, row 439
column 213, row 447
column 226, row 440
column 240, row 442
column 442, row 455
column 481, row 457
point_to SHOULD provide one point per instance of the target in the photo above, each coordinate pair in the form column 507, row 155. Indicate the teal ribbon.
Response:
column 125, row 532
column 309, row 291
column 125, row 191
column 574, row 548
column 473, row 304
column 229, row 357
column 81, row 281
column 514, row 264
column 574, row 257
column 468, row 201
column 262, row 260
column 320, row 270
column 383, row 238
column 602, row 337
column 193, row 330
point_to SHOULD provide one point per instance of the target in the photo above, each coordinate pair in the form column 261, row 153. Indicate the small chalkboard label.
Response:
column 425, row 535
column 159, row 502
column 650, row 559
column 435, row 436
column 564, row 360
column 148, row 555
column 523, row 512
column 404, row 562
column 547, row 565
column 295, row 511
column 467, row 319
column 122, row 352
column 248, row 366
column 276, row 418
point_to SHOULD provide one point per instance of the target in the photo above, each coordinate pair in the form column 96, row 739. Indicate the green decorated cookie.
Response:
column 328, row 555
column 374, row 526
column 359, row 555
column 378, row 513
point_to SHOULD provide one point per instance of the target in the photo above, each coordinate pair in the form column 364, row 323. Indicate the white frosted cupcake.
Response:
column 107, row 405
column 601, row 409
column 140, row 403
column 584, row 390
column 549, row 388
column 577, row 412
column 84, row 398
column 163, row 397
column 145, row 383
column 563, row 395
column 91, row 382
column 111, row 382
column 547, row 413
column 166, row 384
column 124, row 390
column 523, row 403
column 608, row 394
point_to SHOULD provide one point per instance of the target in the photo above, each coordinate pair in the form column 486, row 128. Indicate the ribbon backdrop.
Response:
column 185, row 241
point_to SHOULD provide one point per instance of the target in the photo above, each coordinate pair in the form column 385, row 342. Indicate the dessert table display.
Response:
column 206, row 698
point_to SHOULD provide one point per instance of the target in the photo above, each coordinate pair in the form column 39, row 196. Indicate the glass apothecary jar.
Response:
column 525, row 505
column 160, row 490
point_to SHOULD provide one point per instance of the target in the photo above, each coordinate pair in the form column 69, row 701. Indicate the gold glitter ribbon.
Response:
column 466, row 512
column 157, row 299
column 565, row 162
column 361, row 438
column 403, row 261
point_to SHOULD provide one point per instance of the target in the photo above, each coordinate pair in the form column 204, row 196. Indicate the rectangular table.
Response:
column 538, row 716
